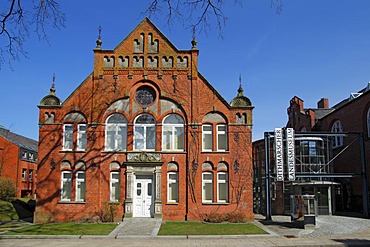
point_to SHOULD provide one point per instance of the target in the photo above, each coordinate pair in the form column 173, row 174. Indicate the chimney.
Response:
column 323, row 103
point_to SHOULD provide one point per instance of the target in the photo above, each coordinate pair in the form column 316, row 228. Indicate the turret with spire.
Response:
column 240, row 100
column 51, row 99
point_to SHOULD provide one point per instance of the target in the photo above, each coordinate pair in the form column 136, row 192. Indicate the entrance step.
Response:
column 137, row 227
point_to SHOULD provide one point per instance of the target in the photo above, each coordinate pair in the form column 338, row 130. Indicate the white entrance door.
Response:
column 143, row 197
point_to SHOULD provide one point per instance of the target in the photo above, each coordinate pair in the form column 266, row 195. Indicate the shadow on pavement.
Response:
column 354, row 242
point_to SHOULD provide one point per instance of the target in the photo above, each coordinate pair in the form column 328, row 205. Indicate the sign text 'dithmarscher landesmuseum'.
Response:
column 289, row 154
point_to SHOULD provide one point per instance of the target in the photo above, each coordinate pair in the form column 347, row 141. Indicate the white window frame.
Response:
column 30, row 174
column 204, row 188
column 80, row 192
column 81, row 137
column 67, row 137
column 222, row 181
column 62, row 186
column 24, row 173
column 205, row 134
column 172, row 182
column 174, row 136
column 118, row 139
column 114, row 181
column 337, row 128
column 223, row 133
column 146, row 128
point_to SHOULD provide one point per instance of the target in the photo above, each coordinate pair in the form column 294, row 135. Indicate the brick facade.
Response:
column 18, row 161
column 146, row 81
column 352, row 115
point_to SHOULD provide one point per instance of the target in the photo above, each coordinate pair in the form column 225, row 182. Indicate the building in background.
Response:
column 18, row 161
column 145, row 135
column 331, row 165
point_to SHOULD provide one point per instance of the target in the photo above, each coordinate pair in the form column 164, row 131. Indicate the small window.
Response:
column 24, row 173
column 222, row 137
column 222, row 187
column 30, row 174
column 80, row 186
column 207, row 187
column 207, row 137
column 67, row 136
column 81, row 137
column 337, row 128
column 66, row 186
column 172, row 187
column 115, row 186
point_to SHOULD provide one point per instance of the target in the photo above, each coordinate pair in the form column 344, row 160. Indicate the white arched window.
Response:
column 222, row 183
column 116, row 133
column 144, row 132
column 173, row 133
column 337, row 128
column 172, row 183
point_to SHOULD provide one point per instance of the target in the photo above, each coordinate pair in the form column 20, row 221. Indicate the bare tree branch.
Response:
column 16, row 20
column 199, row 15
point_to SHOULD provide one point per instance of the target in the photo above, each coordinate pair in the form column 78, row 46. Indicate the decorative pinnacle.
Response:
column 240, row 90
column 194, row 44
column 52, row 89
column 99, row 41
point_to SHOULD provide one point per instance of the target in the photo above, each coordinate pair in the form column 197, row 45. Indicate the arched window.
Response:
column 368, row 122
column 74, row 122
column 207, row 183
column 337, row 128
column 115, row 182
column 222, row 183
column 173, row 133
column 80, row 181
column 144, row 132
column 172, row 183
column 116, row 133
column 66, row 185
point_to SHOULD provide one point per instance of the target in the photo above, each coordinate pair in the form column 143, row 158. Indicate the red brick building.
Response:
column 331, row 164
column 350, row 115
column 146, row 134
column 18, row 161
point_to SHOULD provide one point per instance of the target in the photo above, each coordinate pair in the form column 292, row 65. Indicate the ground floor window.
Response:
column 207, row 187
column 66, row 185
column 80, row 186
column 114, row 186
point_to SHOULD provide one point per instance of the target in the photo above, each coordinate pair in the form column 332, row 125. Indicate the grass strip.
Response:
column 69, row 228
column 201, row 228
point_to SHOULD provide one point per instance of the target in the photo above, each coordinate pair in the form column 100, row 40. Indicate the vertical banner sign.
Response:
column 290, row 153
column 279, row 154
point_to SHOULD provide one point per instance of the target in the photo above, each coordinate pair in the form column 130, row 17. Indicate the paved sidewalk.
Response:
column 145, row 227
column 330, row 231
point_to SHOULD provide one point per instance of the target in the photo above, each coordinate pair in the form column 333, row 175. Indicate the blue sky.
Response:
column 314, row 49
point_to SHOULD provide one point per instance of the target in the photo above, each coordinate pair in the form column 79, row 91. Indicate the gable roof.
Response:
column 20, row 141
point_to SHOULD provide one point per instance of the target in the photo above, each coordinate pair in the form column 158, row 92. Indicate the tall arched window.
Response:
column 116, row 133
column 222, row 183
column 207, row 183
column 337, row 128
column 173, row 133
column 144, row 132
column 172, row 183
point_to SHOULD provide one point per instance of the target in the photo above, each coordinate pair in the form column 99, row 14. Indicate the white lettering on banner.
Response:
column 279, row 154
column 290, row 153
